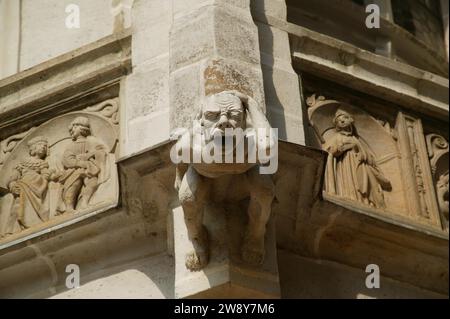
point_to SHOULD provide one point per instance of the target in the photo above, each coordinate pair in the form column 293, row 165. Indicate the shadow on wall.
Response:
column 303, row 278
column 266, row 42
column 147, row 278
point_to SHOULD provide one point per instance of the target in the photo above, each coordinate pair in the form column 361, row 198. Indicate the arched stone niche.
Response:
column 39, row 190
column 378, row 142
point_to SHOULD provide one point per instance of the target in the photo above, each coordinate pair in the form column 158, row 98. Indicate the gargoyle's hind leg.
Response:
column 261, row 197
column 192, row 195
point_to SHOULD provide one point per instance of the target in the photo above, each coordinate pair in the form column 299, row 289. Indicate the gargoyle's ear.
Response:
column 249, row 104
column 247, row 100
column 248, row 119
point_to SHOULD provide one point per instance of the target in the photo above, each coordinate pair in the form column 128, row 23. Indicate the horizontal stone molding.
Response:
column 412, row 88
column 48, row 85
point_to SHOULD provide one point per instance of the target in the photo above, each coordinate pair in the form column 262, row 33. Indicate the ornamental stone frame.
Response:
column 63, row 168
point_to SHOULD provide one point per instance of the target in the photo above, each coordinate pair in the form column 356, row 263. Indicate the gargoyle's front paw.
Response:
column 198, row 258
column 196, row 261
column 69, row 211
column 253, row 252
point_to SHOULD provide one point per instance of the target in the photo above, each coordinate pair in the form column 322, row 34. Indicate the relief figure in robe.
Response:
column 351, row 171
column 29, row 186
column 86, row 167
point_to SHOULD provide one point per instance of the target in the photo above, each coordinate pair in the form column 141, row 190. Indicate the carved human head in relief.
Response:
column 80, row 127
column 343, row 121
column 38, row 147
column 221, row 111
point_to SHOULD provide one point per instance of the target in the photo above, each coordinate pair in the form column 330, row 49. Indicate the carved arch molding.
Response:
column 59, row 171
column 397, row 171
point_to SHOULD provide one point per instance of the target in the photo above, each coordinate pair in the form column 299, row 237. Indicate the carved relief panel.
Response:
column 438, row 153
column 416, row 170
column 363, row 161
column 374, row 165
column 64, row 168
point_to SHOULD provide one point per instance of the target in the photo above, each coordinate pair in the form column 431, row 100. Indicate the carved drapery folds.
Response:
column 357, row 169
column 352, row 171
column 64, row 166
column 376, row 165
column 438, row 151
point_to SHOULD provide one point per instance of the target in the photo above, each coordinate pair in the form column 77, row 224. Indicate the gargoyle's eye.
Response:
column 235, row 114
column 211, row 115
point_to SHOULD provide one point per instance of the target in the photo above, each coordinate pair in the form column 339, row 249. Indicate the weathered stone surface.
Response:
column 192, row 38
column 224, row 75
column 149, row 278
column 274, row 8
column 9, row 37
column 152, row 21
column 96, row 22
column 187, row 6
column 323, row 279
column 185, row 96
column 147, row 90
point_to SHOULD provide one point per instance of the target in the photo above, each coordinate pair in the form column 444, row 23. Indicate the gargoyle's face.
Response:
column 222, row 112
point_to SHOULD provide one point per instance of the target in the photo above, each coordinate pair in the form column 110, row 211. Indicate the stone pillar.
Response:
column 214, row 47
column 145, row 92
column 281, row 82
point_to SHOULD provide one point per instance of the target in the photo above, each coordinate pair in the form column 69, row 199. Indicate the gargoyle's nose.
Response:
column 223, row 122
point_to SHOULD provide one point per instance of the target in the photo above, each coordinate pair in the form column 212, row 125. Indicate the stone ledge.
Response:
column 49, row 85
column 334, row 233
column 104, row 244
column 307, row 224
column 411, row 87
column 273, row 13
column 17, row 240
column 394, row 81
column 387, row 217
